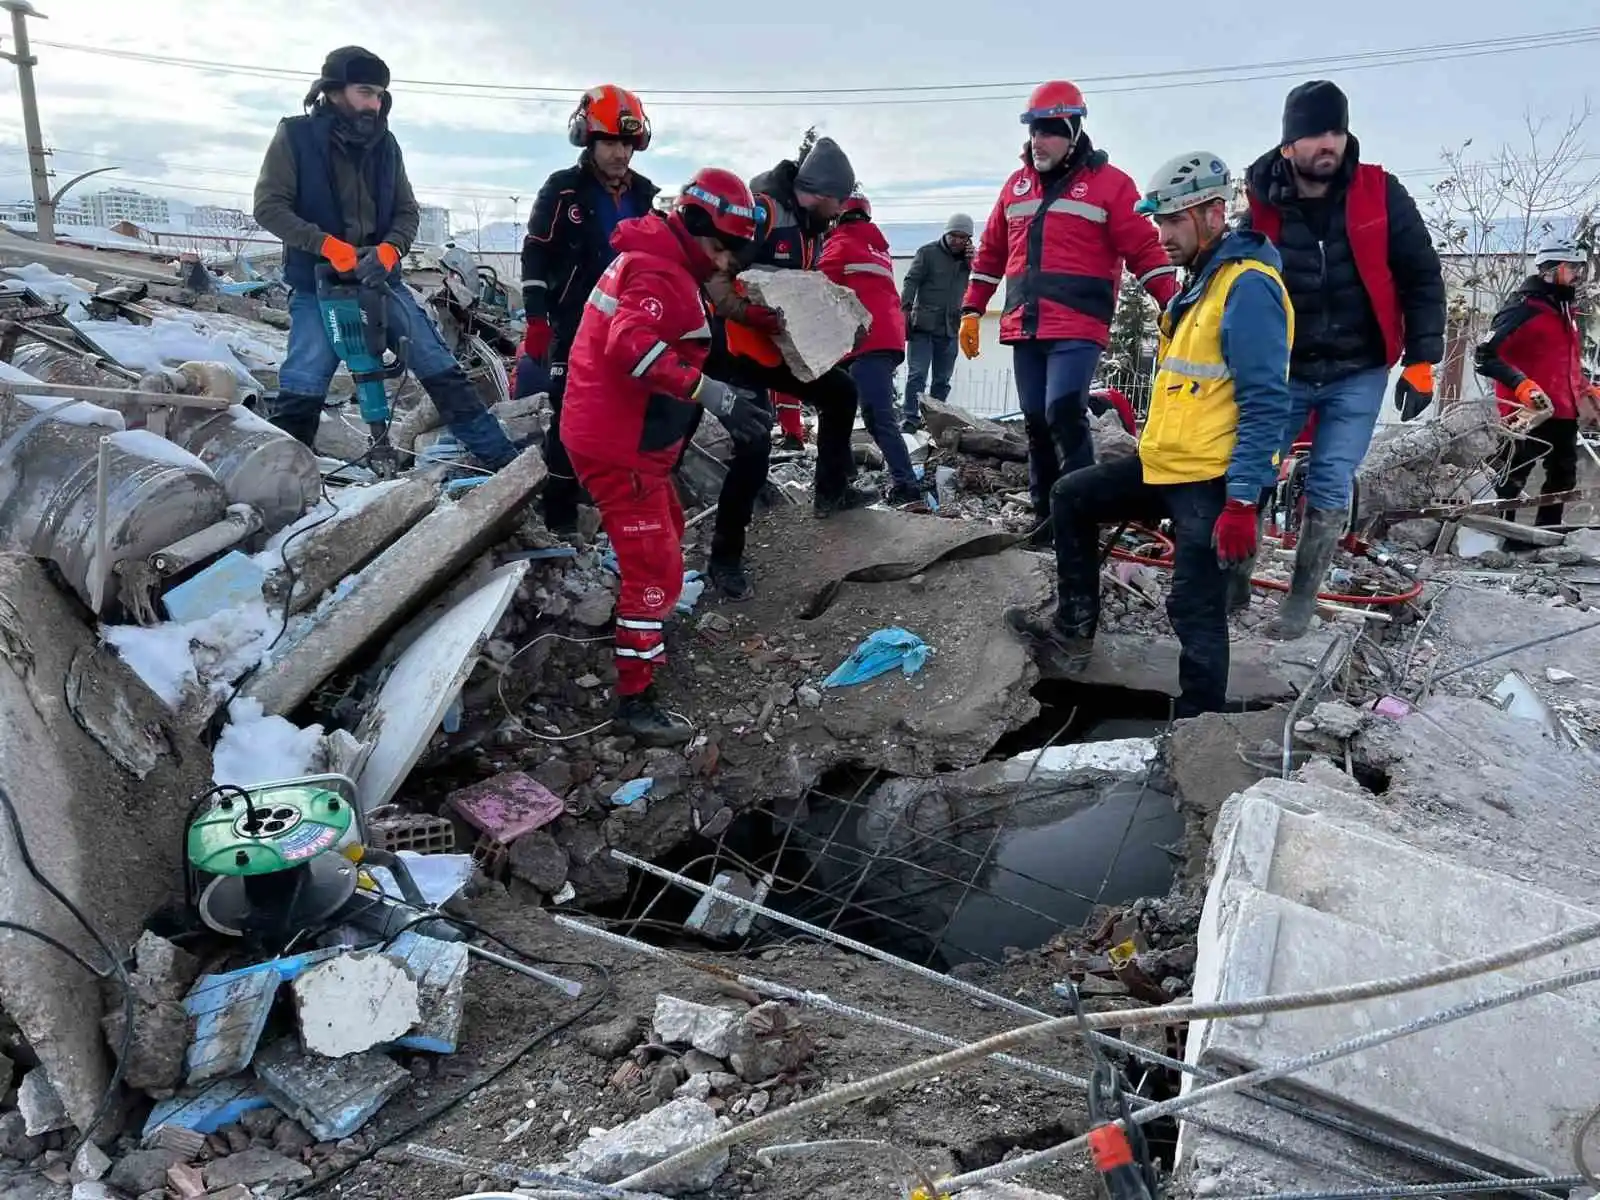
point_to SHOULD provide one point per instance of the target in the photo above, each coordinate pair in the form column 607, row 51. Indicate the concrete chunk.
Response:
column 822, row 318
column 332, row 1098
column 41, row 1107
column 252, row 1167
column 629, row 1148
column 709, row 1030
column 440, row 969
column 353, row 1003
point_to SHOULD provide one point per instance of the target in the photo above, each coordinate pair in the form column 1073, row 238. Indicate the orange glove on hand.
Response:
column 968, row 337
column 341, row 254
column 1414, row 392
column 388, row 255
column 1530, row 395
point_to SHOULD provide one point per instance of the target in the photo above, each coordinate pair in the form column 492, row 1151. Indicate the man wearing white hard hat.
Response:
column 1219, row 410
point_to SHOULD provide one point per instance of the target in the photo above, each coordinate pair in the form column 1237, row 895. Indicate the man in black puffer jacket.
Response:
column 1367, row 291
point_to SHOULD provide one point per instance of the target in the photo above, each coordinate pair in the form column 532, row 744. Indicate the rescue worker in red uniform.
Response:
column 636, row 387
column 856, row 255
column 1534, row 354
column 1058, row 237
column 568, row 244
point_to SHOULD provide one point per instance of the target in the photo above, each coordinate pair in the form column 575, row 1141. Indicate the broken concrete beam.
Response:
column 940, row 417
column 1402, row 467
column 1005, row 446
column 99, row 774
column 1587, row 543
column 353, row 1003
column 620, row 1152
column 1511, row 531
column 400, row 579
column 321, row 557
column 332, row 1098
column 720, row 919
column 822, row 319
column 440, row 971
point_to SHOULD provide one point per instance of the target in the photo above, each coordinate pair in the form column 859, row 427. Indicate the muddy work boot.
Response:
column 729, row 579
column 907, row 493
column 1045, row 636
column 851, row 497
column 1313, row 555
column 644, row 720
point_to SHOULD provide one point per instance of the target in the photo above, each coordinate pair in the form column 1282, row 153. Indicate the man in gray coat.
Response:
column 931, row 299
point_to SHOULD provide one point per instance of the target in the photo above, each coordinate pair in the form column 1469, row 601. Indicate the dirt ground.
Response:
column 949, row 1123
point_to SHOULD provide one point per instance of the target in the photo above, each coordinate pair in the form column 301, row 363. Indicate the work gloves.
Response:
column 968, row 335
column 1414, row 392
column 536, row 341
column 1234, row 534
column 340, row 254
column 376, row 264
column 742, row 417
column 763, row 319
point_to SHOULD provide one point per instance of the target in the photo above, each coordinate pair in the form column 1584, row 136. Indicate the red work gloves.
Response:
column 536, row 342
column 1414, row 392
column 1234, row 534
column 342, row 255
column 763, row 319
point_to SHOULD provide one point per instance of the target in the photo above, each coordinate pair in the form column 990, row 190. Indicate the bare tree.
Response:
column 808, row 141
column 480, row 209
column 1488, row 217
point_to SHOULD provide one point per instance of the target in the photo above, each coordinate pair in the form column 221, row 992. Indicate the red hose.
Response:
column 1271, row 585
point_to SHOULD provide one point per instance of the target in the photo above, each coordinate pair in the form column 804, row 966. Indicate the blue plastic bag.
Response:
column 882, row 651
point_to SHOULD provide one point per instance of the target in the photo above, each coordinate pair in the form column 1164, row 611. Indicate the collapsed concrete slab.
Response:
column 101, row 778
column 397, row 582
column 1259, row 672
column 822, row 319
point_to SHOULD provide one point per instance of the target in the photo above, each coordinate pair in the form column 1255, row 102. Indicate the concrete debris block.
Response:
column 1007, row 1191
column 594, row 610
column 1517, row 696
column 89, row 1163
column 353, row 1003
column 162, row 970
column 397, row 581
column 697, row 1062
column 1007, row 446
column 1084, row 763
column 721, row 919
column 1587, row 543
column 332, row 1098
column 156, row 1052
column 1303, row 902
column 1338, row 719
column 537, row 860
column 683, row 1022
column 696, row 1087
column 142, row 1171
column 768, row 1041
column 592, row 874
column 1476, row 543
column 188, row 1181
column 1531, row 535
column 94, row 1189
column 1402, row 465
column 291, row 1139
column 823, row 319
column 620, row 1152
column 612, row 1039
column 178, row 1121
column 41, row 1107
column 1110, row 437
column 15, row 1140
column 252, row 1167
column 1418, row 534
column 440, row 970
column 942, row 417
column 507, row 806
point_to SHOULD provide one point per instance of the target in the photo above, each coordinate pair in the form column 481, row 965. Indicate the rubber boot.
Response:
column 1313, row 555
column 729, row 578
column 1072, row 644
column 907, row 493
column 473, row 425
column 297, row 415
column 643, row 719
column 851, row 497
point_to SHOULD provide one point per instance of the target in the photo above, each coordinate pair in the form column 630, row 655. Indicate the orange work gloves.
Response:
column 342, row 255
column 1414, row 392
column 968, row 337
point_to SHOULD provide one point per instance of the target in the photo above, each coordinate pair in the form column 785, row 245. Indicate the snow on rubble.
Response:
column 257, row 747
column 177, row 660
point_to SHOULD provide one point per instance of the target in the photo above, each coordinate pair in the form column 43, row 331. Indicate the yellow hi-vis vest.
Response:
column 1194, row 420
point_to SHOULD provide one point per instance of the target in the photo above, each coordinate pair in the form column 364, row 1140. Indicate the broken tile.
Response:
column 41, row 1107
column 440, row 971
column 194, row 1112
column 353, row 1003
column 508, row 805
column 332, row 1098
column 230, row 1012
column 186, row 1180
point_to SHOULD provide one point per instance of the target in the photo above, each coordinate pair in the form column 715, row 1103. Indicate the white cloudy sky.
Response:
column 475, row 129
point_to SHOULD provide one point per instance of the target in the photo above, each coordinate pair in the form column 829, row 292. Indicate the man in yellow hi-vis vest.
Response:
column 1219, row 409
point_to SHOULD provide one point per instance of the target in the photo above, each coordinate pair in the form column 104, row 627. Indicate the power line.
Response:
column 922, row 93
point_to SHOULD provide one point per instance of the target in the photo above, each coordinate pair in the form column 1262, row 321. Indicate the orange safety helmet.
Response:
column 1056, row 99
column 856, row 203
column 717, row 203
column 609, row 111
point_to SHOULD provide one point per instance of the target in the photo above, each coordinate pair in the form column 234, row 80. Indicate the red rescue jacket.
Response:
column 1116, row 400
column 856, row 256
column 1535, row 336
column 638, row 353
column 1060, row 251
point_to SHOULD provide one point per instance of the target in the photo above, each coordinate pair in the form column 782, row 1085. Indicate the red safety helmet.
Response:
column 1056, row 99
column 717, row 203
column 856, row 203
column 609, row 111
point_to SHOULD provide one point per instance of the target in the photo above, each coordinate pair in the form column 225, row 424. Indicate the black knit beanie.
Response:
column 347, row 65
column 1313, row 108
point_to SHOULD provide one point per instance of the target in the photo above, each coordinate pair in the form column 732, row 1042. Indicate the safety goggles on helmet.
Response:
column 705, row 214
column 1185, row 182
column 609, row 111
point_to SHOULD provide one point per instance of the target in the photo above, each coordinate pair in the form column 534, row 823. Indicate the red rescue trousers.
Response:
column 789, row 418
column 644, row 519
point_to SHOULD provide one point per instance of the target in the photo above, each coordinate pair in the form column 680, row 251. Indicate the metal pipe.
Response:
column 238, row 523
column 567, row 986
column 140, row 396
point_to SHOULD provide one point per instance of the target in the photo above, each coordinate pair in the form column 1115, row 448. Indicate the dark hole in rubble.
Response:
column 1374, row 779
column 986, row 1152
column 1077, row 712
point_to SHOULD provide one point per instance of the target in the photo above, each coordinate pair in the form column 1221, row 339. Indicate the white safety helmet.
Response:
column 1559, row 250
column 1186, row 181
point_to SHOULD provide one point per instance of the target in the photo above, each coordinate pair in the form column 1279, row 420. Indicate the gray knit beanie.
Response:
column 826, row 171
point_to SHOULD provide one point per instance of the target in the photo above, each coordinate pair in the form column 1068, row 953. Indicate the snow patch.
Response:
column 244, row 419
column 152, row 446
column 177, row 658
column 256, row 748
column 53, row 286
column 68, row 412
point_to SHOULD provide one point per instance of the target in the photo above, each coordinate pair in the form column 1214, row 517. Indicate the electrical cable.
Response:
column 116, row 968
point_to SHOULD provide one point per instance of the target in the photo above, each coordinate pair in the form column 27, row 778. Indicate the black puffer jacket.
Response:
column 1337, row 330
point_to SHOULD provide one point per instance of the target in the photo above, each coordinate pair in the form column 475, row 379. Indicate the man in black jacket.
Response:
column 1367, row 291
column 333, row 188
column 568, row 247
column 931, row 298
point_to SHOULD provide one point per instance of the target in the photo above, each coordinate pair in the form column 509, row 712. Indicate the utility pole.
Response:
column 44, row 209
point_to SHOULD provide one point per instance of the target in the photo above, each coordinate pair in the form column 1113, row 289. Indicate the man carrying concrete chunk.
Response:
column 1219, row 409
column 333, row 187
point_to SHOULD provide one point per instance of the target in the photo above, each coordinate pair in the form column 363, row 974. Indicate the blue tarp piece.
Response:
column 632, row 791
column 880, row 652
